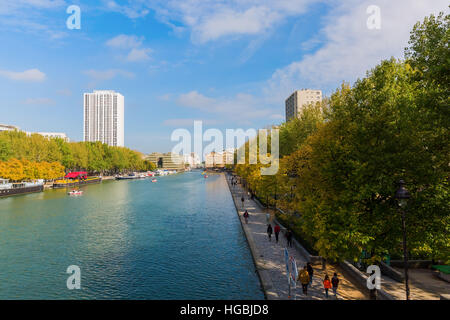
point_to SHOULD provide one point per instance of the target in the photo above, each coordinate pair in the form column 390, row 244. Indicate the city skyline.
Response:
column 176, row 66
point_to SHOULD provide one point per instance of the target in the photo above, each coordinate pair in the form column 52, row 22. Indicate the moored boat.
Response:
column 130, row 176
column 75, row 193
column 9, row 189
column 75, row 179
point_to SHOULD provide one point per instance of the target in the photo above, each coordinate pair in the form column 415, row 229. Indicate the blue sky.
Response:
column 228, row 63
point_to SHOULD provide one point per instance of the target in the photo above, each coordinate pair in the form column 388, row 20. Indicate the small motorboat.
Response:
column 75, row 193
column 154, row 180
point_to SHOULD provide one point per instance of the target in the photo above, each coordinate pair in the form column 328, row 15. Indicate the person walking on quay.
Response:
column 310, row 271
column 242, row 200
column 327, row 285
column 246, row 216
column 303, row 277
column 277, row 232
column 269, row 231
column 289, row 238
column 335, row 283
column 248, row 193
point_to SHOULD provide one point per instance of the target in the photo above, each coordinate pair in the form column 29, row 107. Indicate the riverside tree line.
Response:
column 340, row 161
column 28, row 157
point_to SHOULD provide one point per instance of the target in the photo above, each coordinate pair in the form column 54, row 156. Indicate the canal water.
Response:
column 179, row 238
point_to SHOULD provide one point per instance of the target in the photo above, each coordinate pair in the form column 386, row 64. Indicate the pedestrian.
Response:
column 327, row 285
column 289, row 238
column 310, row 271
column 335, row 283
column 242, row 199
column 246, row 216
column 269, row 231
column 267, row 217
column 277, row 232
column 303, row 276
column 249, row 197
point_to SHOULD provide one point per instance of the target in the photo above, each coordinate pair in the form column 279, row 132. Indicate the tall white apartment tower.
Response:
column 104, row 117
column 299, row 99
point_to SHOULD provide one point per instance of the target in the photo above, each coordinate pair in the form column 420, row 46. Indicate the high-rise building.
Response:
column 299, row 99
column 104, row 117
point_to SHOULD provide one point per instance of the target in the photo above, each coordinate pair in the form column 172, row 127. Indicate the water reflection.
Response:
column 178, row 238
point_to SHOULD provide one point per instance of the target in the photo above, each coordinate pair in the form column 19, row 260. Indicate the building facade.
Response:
column 52, row 135
column 192, row 160
column 169, row 161
column 104, row 113
column 219, row 159
column 7, row 127
column 299, row 99
column 49, row 135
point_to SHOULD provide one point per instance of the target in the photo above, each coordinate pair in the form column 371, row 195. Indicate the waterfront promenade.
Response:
column 269, row 257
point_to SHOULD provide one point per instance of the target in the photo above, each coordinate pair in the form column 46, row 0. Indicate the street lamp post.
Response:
column 402, row 195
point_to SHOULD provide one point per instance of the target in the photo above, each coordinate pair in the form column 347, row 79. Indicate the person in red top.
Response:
column 327, row 285
column 277, row 231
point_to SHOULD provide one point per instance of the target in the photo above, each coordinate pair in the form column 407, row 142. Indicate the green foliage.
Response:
column 339, row 169
column 93, row 157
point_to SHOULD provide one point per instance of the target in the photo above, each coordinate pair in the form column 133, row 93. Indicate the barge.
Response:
column 73, row 179
column 10, row 189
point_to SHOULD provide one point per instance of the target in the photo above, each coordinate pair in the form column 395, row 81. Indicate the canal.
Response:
column 179, row 238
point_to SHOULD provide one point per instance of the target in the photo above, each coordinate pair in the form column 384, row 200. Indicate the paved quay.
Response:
column 270, row 261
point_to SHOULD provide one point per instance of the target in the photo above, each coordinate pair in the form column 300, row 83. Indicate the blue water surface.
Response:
column 179, row 238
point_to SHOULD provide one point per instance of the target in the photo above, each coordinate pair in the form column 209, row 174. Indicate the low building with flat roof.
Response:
column 52, row 135
column 8, row 127
column 169, row 161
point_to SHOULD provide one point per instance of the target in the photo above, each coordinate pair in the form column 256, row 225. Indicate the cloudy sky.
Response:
column 230, row 63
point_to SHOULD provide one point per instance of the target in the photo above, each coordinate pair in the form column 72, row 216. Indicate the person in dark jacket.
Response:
column 310, row 271
column 335, row 283
column 269, row 231
column 246, row 215
column 289, row 238
column 277, row 232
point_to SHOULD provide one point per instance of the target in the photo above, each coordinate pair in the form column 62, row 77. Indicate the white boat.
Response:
column 75, row 193
column 154, row 180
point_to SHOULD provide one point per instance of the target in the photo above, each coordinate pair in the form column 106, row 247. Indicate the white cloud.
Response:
column 132, row 10
column 123, row 41
column 210, row 20
column 32, row 16
column 31, row 75
column 40, row 101
column 137, row 55
column 137, row 52
column 13, row 6
column 196, row 100
column 350, row 48
column 242, row 108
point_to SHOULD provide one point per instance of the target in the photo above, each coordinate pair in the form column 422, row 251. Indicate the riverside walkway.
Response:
column 270, row 261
